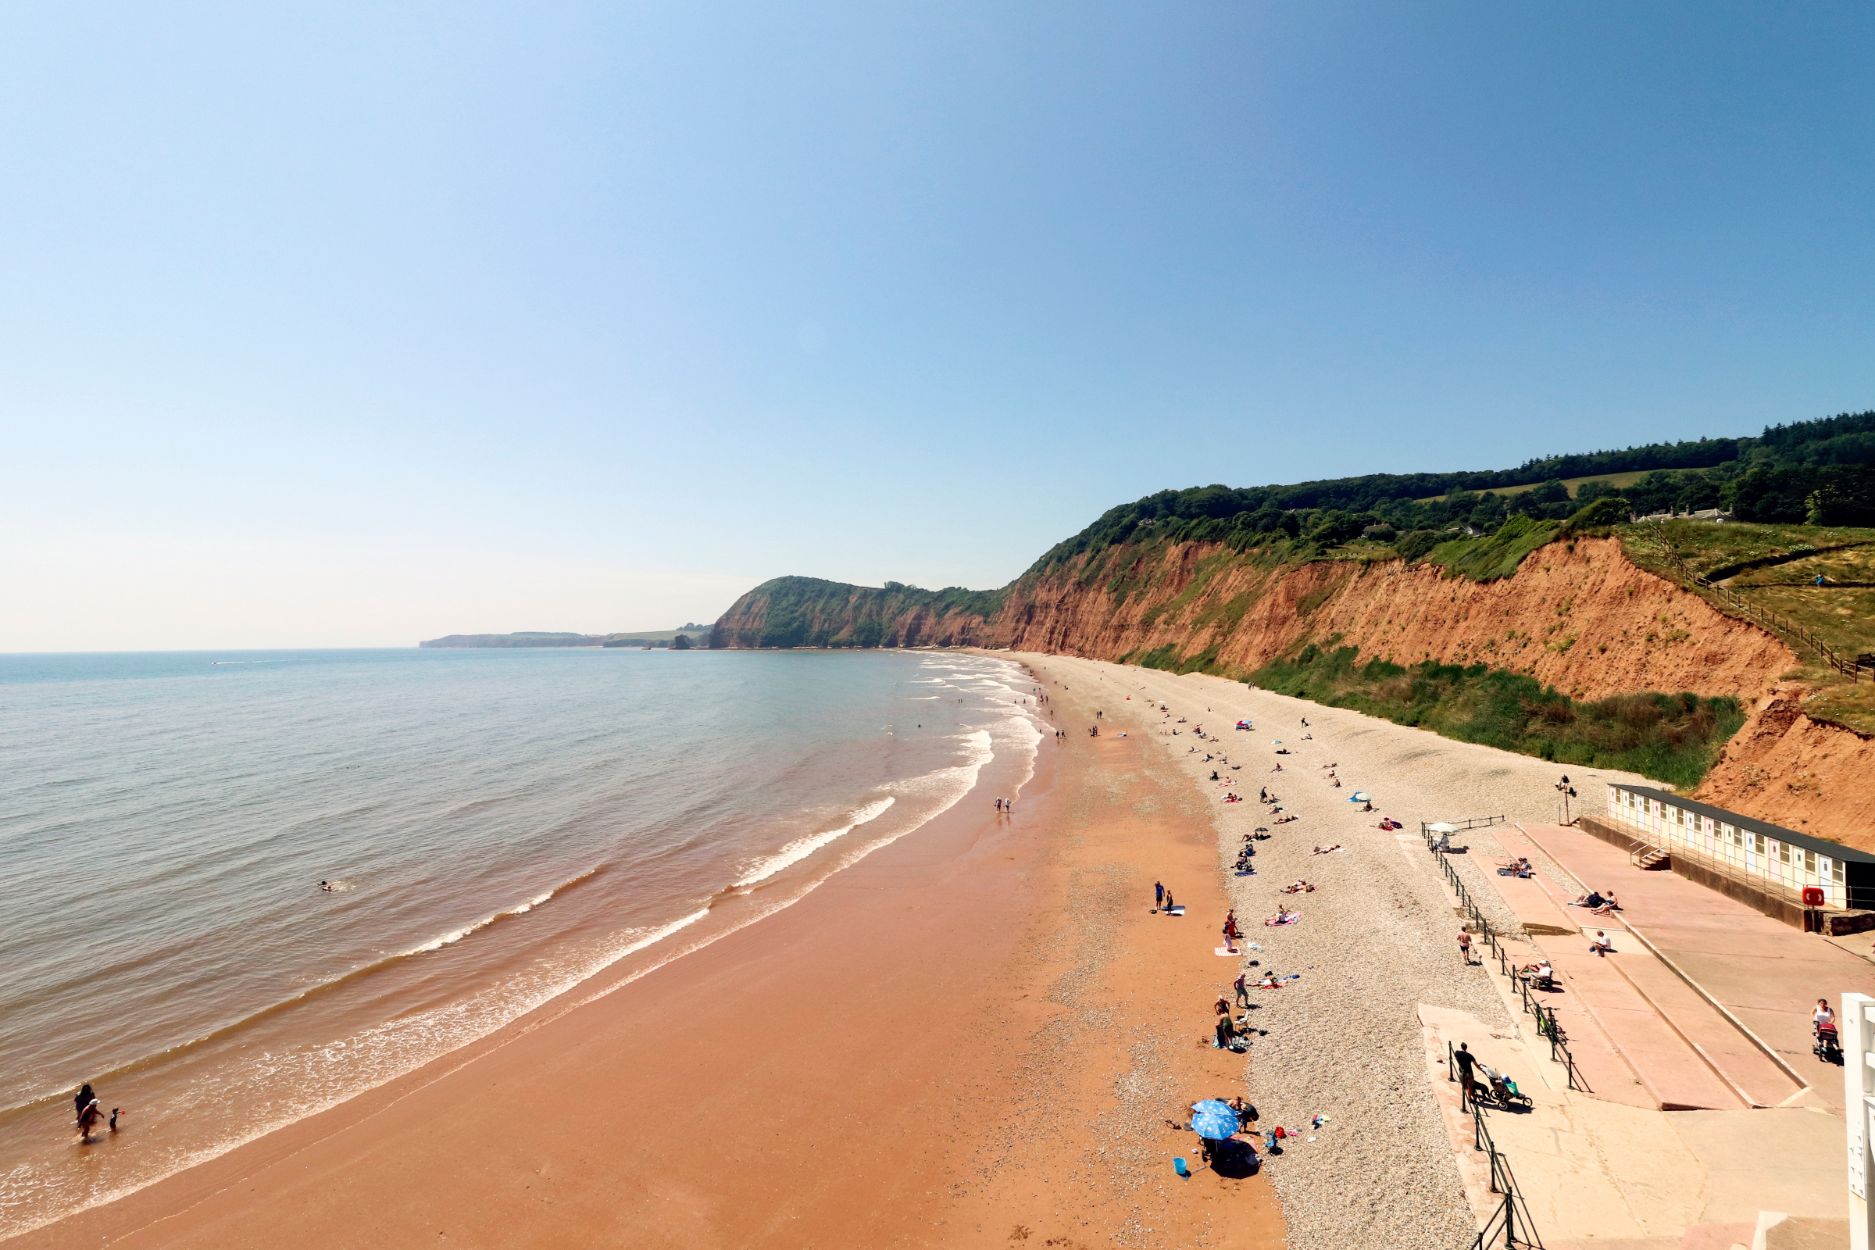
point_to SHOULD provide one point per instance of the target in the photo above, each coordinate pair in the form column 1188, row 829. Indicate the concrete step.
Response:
column 1748, row 1069
column 1670, row 1068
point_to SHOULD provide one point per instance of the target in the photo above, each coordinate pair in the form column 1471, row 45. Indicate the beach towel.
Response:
column 1273, row 921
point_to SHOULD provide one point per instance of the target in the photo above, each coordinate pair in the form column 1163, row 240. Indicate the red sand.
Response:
column 974, row 1036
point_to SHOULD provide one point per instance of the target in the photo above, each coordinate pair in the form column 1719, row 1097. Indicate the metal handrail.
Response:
column 1547, row 1025
column 1641, row 850
column 1510, row 1217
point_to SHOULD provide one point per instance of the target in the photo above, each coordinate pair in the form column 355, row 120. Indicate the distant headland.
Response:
column 683, row 638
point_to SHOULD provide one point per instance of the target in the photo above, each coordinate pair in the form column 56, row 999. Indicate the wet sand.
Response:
column 979, row 1035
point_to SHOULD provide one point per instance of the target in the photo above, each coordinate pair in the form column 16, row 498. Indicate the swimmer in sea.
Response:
column 326, row 886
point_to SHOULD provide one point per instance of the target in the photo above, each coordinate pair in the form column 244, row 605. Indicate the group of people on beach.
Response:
column 90, row 1113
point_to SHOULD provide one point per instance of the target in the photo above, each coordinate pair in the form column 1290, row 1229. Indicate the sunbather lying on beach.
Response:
column 1591, row 899
column 1283, row 916
column 1389, row 823
column 1283, row 820
column 1298, row 886
column 1327, row 850
column 1519, row 867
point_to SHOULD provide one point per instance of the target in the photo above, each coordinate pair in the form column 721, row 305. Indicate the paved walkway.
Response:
column 1599, row 1174
column 1666, row 1022
column 1641, row 1035
column 1740, row 965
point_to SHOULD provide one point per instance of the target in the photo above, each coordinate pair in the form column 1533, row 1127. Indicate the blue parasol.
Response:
column 1213, row 1124
column 1212, row 1104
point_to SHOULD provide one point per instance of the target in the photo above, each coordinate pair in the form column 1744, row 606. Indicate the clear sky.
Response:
column 346, row 324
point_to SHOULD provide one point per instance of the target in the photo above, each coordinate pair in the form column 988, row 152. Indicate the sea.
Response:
column 238, row 888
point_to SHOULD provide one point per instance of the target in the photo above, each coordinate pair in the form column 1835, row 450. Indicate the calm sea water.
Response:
column 498, row 826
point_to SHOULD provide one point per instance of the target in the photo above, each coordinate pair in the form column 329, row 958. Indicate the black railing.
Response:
column 1546, row 1023
column 1509, row 1225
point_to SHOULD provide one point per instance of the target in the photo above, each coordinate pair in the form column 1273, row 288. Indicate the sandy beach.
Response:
column 981, row 1034
column 1375, row 941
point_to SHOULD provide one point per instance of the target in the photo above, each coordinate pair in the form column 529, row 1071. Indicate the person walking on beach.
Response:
column 1464, row 946
column 1242, row 986
column 1463, row 1059
column 1158, row 895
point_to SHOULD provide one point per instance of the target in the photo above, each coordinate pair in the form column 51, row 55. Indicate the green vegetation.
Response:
column 1775, row 567
column 1166, row 657
column 1491, row 556
column 1597, row 483
column 1809, row 472
column 545, row 638
column 1674, row 738
column 811, row 612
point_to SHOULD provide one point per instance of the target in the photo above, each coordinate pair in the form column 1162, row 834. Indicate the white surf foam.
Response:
column 799, row 849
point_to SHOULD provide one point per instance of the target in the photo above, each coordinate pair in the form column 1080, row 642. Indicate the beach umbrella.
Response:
column 1359, row 796
column 1441, row 827
column 1214, row 1125
column 1213, row 1104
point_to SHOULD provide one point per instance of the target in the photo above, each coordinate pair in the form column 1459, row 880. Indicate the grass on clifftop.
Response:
column 1776, row 567
column 1672, row 737
column 1492, row 556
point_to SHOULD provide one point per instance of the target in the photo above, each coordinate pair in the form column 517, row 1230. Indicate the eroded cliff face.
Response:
column 1797, row 772
column 1577, row 616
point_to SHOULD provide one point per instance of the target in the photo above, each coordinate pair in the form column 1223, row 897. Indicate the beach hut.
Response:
column 1772, row 860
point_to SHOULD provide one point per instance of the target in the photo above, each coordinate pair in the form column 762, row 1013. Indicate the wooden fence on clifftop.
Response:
column 1776, row 622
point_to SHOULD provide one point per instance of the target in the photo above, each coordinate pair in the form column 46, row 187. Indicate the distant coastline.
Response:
column 692, row 635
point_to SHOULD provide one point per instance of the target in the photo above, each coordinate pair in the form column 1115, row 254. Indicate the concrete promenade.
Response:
column 1762, row 975
column 1704, row 1107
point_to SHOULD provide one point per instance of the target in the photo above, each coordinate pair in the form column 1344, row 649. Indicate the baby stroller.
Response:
column 1494, row 1089
column 1828, row 1044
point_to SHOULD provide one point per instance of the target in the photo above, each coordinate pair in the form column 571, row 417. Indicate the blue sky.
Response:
column 355, row 324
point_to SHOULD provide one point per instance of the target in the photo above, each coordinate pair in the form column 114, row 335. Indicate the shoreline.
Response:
column 1375, row 943
column 838, row 1072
